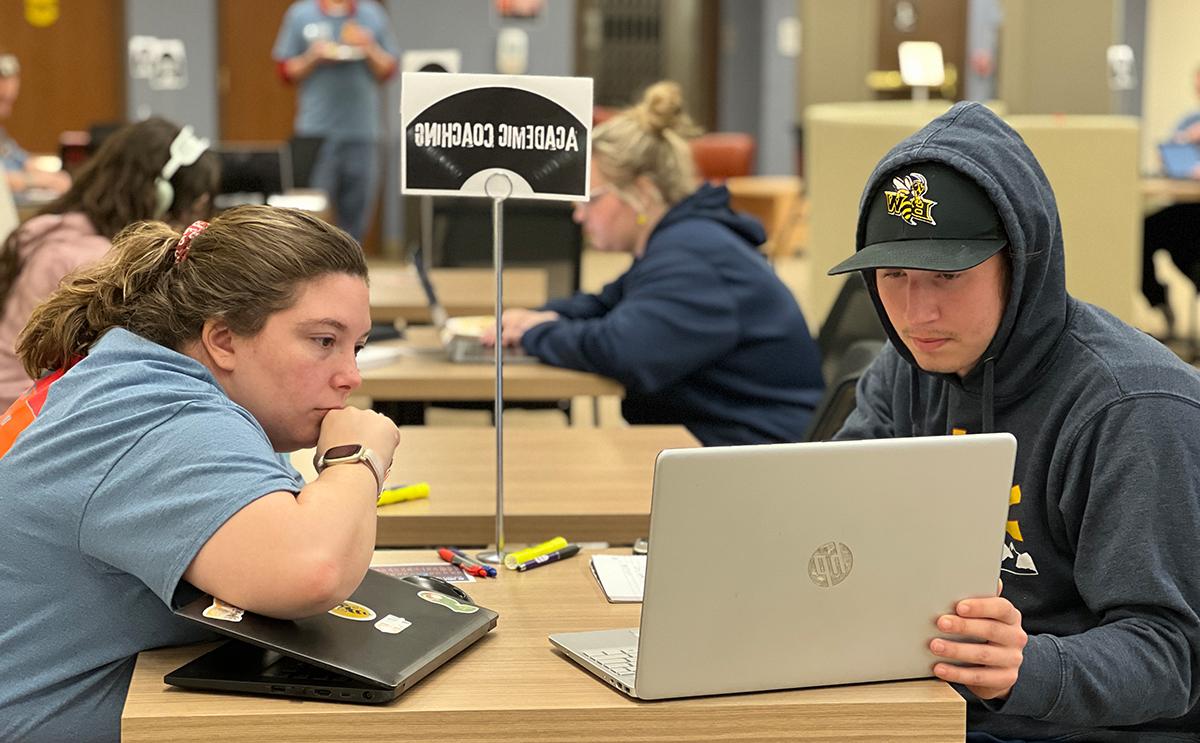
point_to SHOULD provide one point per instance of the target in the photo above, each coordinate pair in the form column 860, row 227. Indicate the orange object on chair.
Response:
column 721, row 155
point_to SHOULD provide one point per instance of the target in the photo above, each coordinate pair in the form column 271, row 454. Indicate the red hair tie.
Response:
column 181, row 247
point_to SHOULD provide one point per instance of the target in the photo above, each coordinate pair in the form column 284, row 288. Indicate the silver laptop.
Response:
column 460, row 349
column 792, row 565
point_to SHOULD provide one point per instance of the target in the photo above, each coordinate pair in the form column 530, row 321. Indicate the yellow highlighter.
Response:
column 399, row 493
column 513, row 559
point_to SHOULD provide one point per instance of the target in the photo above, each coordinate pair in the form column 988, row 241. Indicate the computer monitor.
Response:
column 536, row 233
column 258, row 169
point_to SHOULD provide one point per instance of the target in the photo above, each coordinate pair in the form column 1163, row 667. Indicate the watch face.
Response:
column 345, row 450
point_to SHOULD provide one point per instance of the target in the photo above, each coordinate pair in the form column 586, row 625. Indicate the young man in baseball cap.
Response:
column 1095, row 634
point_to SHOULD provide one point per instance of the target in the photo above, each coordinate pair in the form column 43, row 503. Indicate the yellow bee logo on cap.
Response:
column 908, row 200
column 353, row 610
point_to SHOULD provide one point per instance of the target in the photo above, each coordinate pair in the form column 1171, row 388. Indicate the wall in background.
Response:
column 196, row 24
column 740, row 41
column 837, row 52
column 470, row 27
column 1053, row 55
column 1170, row 64
column 777, row 122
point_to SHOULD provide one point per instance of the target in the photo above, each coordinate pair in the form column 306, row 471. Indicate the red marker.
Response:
column 467, row 567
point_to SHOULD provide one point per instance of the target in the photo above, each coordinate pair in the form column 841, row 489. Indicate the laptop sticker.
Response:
column 449, row 602
column 392, row 624
column 223, row 611
column 353, row 610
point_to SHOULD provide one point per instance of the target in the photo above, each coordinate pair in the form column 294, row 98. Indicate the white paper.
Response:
column 623, row 577
column 373, row 357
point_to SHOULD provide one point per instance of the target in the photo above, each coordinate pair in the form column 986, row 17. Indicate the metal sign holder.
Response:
column 499, row 187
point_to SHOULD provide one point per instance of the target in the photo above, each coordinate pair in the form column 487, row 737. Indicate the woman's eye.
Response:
column 325, row 342
column 358, row 348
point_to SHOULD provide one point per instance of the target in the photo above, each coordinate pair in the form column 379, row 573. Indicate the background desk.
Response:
column 512, row 685
column 776, row 201
column 396, row 292
column 587, row 484
column 424, row 374
column 1173, row 190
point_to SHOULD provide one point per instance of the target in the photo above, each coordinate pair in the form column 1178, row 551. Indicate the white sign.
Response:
column 460, row 130
column 143, row 50
column 1120, row 67
column 170, row 66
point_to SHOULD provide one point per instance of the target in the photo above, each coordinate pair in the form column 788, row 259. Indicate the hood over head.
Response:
column 966, row 154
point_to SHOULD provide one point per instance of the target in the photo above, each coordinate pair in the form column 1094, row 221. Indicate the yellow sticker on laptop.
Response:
column 353, row 610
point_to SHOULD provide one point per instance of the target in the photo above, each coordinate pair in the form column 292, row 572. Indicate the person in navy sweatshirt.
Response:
column 1095, row 632
column 699, row 330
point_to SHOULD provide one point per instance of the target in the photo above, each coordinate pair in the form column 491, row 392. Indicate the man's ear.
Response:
column 218, row 341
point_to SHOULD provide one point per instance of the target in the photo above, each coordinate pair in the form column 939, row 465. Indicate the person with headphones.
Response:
column 149, row 170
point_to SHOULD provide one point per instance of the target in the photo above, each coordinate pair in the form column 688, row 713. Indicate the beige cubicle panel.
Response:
column 1091, row 162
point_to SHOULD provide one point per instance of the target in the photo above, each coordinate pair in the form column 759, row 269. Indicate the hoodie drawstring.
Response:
column 914, row 402
column 989, row 380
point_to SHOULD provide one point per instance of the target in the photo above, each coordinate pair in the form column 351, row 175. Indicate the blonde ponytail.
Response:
column 650, row 139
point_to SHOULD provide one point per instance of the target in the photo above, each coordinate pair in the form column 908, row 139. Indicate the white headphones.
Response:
column 185, row 150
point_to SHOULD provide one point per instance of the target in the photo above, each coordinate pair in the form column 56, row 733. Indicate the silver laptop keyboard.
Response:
column 616, row 661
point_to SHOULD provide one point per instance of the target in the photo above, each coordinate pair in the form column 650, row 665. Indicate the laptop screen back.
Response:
column 1179, row 159
column 792, row 565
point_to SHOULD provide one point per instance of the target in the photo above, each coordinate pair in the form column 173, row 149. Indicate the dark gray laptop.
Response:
column 387, row 637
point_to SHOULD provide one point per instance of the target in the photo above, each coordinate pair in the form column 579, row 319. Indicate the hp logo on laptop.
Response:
column 830, row 564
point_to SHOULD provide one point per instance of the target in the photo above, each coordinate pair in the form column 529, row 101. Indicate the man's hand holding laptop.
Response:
column 990, row 667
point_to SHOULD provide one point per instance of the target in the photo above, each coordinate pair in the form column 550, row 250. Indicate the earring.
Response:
column 642, row 219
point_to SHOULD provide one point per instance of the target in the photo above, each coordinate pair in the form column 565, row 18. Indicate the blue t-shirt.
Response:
column 12, row 156
column 136, row 459
column 338, row 99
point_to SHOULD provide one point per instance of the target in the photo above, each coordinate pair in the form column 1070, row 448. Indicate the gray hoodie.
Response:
column 1102, row 554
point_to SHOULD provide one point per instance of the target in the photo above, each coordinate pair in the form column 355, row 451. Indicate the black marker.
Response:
column 560, row 554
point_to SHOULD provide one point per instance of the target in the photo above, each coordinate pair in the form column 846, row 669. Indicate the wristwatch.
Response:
column 351, row 454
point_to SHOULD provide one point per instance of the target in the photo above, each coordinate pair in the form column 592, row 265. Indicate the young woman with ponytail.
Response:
column 699, row 330
column 147, row 466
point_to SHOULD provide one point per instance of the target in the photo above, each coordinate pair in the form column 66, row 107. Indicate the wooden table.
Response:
column 423, row 373
column 776, row 201
column 396, row 292
column 512, row 685
column 1174, row 190
column 587, row 484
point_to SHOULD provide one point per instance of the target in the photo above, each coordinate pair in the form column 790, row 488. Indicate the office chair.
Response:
column 851, row 318
column 721, row 155
column 840, row 395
